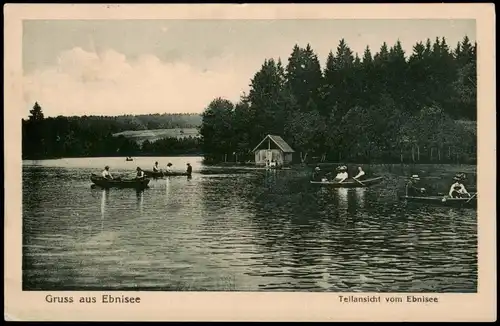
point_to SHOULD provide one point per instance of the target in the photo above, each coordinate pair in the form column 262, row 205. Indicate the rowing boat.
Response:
column 442, row 200
column 161, row 174
column 349, row 183
column 120, row 183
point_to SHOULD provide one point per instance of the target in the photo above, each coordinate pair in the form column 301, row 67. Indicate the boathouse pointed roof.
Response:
column 278, row 141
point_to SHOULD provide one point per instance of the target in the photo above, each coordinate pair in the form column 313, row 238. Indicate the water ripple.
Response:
column 239, row 231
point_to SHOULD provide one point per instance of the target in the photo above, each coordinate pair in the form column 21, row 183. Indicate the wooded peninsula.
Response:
column 385, row 107
column 98, row 136
column 388, row 107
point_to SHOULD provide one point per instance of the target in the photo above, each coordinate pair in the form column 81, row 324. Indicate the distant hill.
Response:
column 122, row 123
column 160, row 121
column 152, row 135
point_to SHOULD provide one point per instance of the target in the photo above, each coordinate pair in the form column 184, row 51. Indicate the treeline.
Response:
column 138, row 122
column 172, row 146
column 93, row 136
column 384, row 107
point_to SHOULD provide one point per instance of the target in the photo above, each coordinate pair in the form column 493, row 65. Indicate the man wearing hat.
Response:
column 140, row 173
column 457, row 189
column 413, row 187
column 316, row 174
column 341, row 174
column 105, row 173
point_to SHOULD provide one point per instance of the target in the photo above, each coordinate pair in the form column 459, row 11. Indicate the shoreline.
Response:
column 111, row 156
column 243, row 165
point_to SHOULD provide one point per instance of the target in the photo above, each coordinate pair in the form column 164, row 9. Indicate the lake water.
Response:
column 241, row 230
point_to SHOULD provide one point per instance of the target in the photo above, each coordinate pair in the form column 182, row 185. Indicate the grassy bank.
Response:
column 155, row 134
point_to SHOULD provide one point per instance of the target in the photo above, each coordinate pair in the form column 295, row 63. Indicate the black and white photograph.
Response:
column 250, row 155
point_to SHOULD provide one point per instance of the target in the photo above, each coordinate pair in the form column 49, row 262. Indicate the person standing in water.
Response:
column 189, row 169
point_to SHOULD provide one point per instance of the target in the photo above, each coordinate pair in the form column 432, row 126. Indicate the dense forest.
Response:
column 93, row 135
column 384, row 107
column 387, row 107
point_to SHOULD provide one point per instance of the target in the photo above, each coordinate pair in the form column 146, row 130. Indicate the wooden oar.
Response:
column 471, row 198
column 361, row 183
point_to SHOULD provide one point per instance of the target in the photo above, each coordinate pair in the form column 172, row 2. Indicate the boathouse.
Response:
column 273, row 148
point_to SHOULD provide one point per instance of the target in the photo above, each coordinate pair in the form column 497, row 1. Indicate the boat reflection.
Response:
column 360, row 197
column 104, row 203
column 342, row 197
column 342, row 202
column 167, row 188
column 270, row 178
column 140, row 200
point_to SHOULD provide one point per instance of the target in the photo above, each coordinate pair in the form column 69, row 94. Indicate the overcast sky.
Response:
column 156, row 66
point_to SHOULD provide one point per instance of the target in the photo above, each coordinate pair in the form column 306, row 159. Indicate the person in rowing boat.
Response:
column 360, row 174
column 169, row 167
column 105, row 173
column 413, row 187
column 156, row 168
column 316, row 174
column 189, row 169
column 140, row 173
column 457, row 189
column 342, row 174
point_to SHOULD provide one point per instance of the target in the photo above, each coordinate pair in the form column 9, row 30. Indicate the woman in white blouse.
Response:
column 342, row 174
column 360, row 173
